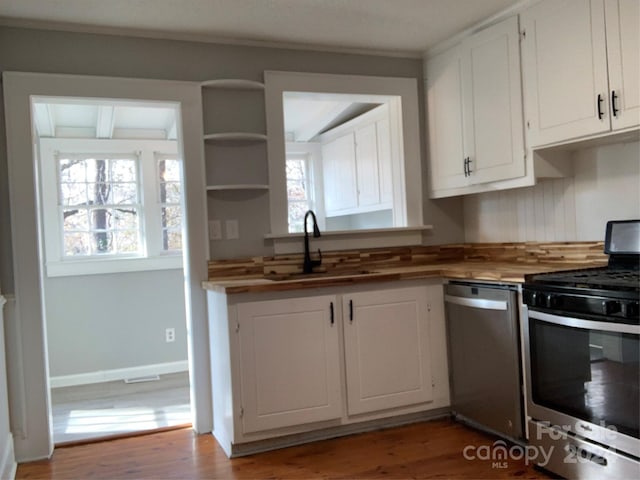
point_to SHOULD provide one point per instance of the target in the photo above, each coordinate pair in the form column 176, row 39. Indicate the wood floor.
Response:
column 105, row 409
column 424, row 450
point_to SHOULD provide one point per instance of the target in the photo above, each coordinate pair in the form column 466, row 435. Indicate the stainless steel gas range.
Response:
column 581, row 332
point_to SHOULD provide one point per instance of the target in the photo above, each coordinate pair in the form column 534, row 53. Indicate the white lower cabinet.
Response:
column 307, row 365
column 387, row 354
column 289, row 362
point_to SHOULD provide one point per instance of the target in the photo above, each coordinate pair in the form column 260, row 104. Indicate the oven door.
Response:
column 582, row 376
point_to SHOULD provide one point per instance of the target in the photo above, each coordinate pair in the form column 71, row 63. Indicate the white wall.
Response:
column 7, row 456
column 605, row 186
column 103, row 322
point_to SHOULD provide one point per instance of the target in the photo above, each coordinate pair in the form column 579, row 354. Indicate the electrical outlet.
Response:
column 170, row 335
column 231, row 226
column 215, row 230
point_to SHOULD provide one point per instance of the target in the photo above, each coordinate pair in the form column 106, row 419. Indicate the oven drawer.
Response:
column 571, row 457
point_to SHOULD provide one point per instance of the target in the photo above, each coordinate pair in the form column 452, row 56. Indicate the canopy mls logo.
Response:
column 499, row 452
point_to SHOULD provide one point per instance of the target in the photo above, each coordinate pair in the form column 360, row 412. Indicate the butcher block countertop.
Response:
column 504, row 262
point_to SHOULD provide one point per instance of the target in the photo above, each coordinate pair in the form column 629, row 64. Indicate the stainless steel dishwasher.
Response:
column 484, row 356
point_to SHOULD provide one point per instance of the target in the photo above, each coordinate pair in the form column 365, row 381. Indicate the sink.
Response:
column 279, row 277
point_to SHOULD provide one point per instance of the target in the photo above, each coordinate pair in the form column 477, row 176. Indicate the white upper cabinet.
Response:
column 569, row 87
column 339, row 173
column 474, row 109
column 357, row 165
column 492, row 101
column 623, row 46
column 444, row 109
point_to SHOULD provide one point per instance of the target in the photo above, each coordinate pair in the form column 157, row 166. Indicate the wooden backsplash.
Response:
column 378, row 258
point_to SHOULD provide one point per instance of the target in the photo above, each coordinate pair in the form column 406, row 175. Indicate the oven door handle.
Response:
column 481, row 303
column 585, row 324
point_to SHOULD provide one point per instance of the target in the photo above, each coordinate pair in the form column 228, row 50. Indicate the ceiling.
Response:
column 72, row 118
column 402, row 27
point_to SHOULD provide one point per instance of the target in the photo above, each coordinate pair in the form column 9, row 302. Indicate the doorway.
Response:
column 111, row 209
column 27, row 359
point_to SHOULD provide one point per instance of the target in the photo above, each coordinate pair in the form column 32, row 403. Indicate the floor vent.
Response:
column 147, row 378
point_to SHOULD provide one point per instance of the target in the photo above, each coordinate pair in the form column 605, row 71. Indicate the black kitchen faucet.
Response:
column 308, row 264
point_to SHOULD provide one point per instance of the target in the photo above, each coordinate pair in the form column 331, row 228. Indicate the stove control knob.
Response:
column 631, row 310
column 609, row 307
column 554, row 301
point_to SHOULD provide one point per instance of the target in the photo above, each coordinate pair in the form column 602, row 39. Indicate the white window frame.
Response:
column 158, row 157
column 153, row 256
column 312, row 152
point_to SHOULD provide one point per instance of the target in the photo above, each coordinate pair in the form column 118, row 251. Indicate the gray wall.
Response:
column 62, row 52
column 112, row 321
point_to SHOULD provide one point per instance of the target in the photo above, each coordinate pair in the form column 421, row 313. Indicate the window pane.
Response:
column 173, row 239
column 125, row 219
column 102, row 243
column 76, row 243
column 73, row 194
column 124, row 193
column 72, row 170
column 76, row 220
column 92, row 182
column 100, row 193
column 170, row 192
column 169, row 170
column 126, row 241
column 298, row 194
column 171, row 217
column 123, row 171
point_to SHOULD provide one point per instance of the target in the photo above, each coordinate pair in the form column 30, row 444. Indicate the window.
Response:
column 170, row 188
column 299, row 192
column 99, row 205
column 111, row 205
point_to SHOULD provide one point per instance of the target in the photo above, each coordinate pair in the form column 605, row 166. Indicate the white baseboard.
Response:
column 118, row 374
column 8, row 463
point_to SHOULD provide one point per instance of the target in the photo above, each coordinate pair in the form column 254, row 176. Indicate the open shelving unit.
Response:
column 233, row 139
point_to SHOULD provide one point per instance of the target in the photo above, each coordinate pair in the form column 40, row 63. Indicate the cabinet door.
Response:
column 623, row 45
column 384, row 162
column 289, row 362
column 444, row 109
column 367, row 173
column 565, row 70
column 492, row 104
column 386, row 336
column 339, row 173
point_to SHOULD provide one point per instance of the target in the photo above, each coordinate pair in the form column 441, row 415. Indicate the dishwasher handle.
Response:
column 481, row 303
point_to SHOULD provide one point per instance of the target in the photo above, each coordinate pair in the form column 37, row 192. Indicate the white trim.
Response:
column 150, row 231
column 237, row 186
column 235, row 137
column 97, row 266
column 8, row 465
column 30, row 399
column 202, row 38
column 116, row 374
column 276, row 83
column 233, row 84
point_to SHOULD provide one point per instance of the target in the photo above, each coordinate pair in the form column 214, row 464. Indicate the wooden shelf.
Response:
column 235, row 137
column 233, row 84
column 239, row 186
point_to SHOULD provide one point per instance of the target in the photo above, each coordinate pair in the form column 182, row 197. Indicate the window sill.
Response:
column 112, row 265
column 286, row 243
